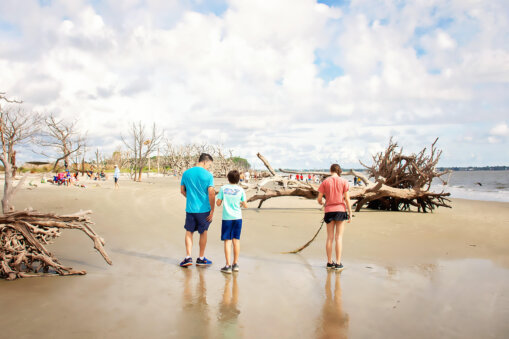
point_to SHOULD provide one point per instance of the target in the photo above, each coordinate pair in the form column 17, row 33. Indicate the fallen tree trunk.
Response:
column 400, row 183
column 24, row 234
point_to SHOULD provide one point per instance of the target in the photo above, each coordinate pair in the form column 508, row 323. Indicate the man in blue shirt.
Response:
column 197, row 185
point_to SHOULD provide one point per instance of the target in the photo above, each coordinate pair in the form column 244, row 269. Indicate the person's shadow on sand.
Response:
column 228, row 311
column 333, row 322
column 194, row 321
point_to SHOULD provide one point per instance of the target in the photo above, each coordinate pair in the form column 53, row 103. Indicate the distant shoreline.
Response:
column 454, row 169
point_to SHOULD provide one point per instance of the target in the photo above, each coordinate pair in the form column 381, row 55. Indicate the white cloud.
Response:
column 248, row 78
column 501, row 130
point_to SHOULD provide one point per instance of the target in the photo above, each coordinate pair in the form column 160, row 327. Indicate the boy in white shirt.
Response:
column 234, row 197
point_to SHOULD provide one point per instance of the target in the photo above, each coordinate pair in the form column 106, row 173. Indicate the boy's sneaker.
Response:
column 203, row 262
column 339, row 267
column 331, row 266
column 227, row 269
column 186, row 262
column 235, row 267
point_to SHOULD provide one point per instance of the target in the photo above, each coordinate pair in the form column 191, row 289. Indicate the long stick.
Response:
column 308, row 243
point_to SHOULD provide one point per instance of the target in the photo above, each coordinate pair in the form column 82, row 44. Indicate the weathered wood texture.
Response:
column 400, row 182
column 24, row 234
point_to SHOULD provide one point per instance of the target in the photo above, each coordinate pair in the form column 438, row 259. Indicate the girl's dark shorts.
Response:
column 336, row 216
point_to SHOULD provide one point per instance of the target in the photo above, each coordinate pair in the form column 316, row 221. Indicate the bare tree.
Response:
column 23, row 235
column 179, row 158
column 99, row 160
column 16, row 128
column 142, row 144
column 4, row 98
column 63, row 137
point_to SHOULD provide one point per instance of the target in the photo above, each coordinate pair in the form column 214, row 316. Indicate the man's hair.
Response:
column 335, row 168
column 234, row 177
column 205, row 157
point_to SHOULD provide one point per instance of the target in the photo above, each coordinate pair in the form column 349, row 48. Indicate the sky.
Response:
column 305, row 83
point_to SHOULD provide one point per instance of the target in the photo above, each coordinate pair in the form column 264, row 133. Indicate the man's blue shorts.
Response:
column 231, row 229
column 197, row 222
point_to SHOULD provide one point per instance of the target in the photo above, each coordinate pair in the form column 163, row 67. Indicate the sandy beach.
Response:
column 408, row 275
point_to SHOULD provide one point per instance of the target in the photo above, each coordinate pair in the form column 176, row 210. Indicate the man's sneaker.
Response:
column 227, row 269
column 204, row 262
column 331, row 266
column 235, row 267
column 339, row 267
column 186, row 262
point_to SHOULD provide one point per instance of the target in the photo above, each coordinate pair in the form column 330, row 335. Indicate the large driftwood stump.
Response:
column 23, row 236
column 400, row 182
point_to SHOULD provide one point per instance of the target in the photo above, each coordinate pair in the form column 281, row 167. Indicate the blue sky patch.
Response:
column 444, row 22
column 327, row 69
column 10, row 29
column 217, row 7
column 419, row 51
column 335, row 3
column 45, row 3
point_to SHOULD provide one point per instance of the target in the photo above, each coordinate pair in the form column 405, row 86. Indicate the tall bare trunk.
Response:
column 6, row 204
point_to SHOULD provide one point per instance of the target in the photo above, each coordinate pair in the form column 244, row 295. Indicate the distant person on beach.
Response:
column 197, row 185
column 234, row 198
column 116, row 175
column 247, row 175
column 337, row 203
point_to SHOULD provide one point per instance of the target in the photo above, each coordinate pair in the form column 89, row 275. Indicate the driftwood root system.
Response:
column 24, row 236
column 394, row 182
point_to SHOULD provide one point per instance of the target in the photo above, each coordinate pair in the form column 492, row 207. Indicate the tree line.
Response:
column 62, row 140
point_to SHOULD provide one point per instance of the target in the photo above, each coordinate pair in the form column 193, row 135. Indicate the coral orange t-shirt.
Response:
column 333, row 188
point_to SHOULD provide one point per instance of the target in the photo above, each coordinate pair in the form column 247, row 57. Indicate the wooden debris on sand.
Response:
column 400, row 181
column 24, row 234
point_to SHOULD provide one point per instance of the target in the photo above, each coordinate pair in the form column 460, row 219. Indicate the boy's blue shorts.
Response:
column 197, row 222
column 231, row 229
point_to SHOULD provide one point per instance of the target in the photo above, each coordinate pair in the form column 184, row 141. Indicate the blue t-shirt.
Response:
column 197, row 181
column 231, row 195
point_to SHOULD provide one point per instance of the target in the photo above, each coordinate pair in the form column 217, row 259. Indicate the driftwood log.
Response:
column 399, row 182
column 24, row 234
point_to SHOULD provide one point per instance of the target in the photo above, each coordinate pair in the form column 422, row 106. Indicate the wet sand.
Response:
column 440, row 275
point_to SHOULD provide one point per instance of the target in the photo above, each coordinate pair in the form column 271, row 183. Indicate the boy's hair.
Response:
column 205, row 157
column 234, row 177
column 335, row 168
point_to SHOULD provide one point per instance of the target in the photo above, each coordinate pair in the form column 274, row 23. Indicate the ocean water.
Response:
column 476, row 185
column 472, row 185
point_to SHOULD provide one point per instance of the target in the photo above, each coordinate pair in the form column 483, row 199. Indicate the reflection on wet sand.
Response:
column 228, row 311
column 333, row 322
column 194, row 322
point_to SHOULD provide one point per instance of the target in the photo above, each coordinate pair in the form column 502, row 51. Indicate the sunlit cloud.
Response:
column 301, row 81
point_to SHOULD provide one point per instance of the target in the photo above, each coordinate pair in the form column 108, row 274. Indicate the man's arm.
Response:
column 319, row 199
column 212, row 201
column 183, row 190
